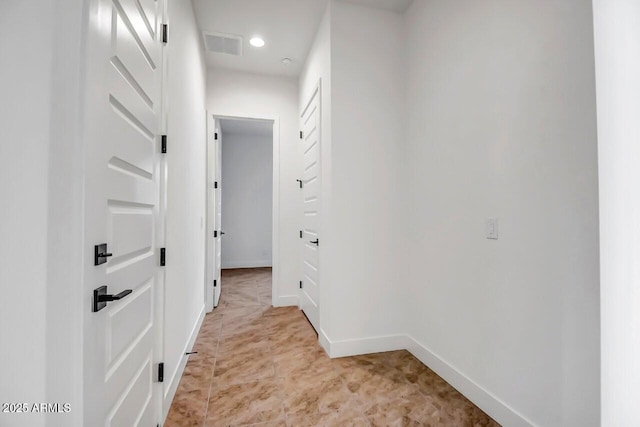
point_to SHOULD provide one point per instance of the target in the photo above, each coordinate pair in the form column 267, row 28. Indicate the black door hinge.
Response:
column 160, row 372
column 301, row 135
column 165, row 33
column 215, row 283
column 300, row 284
column 301, row 234
column 163, row 147
column 215, row 233
column 215, row 136
column 215, row 184
column 163, row 257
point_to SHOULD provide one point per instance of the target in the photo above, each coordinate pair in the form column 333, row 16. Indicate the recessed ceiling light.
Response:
column 256, row 42
column 287, row 61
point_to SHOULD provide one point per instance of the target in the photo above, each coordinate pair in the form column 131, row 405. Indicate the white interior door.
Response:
column 218, row 213
column 122, row 111
column 309, row 292
column 212, row 190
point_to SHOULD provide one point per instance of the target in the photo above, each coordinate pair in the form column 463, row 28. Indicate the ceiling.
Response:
column 246, row 127
column 394, row 5
column 287, row 26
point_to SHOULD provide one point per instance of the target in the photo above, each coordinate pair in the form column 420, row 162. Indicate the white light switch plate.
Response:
column 492, row 228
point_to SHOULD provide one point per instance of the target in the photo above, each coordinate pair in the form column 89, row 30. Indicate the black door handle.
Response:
column 299, row 182
column 116, row 297
column 315, row 242
column 101, row 298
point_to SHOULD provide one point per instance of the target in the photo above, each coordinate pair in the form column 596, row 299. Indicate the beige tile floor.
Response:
column 262, row 366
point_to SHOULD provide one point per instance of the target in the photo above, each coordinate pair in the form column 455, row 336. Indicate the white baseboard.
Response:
column 489, row 403
column 368, row 345
column 325, row 343
column 286, row 301
column 172, row 386
column 247, row 264
column 482, row 398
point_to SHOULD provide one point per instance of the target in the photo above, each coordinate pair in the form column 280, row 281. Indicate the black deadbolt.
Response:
column 100, row 254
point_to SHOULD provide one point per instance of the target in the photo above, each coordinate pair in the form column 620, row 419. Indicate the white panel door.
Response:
column 122, row 110
column 212, row 275
column 309, row 292
column 218, row 213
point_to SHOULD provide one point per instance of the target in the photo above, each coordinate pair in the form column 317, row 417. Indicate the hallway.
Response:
column 259, row 365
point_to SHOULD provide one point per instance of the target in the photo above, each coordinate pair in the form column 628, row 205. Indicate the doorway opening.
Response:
column 241, row 210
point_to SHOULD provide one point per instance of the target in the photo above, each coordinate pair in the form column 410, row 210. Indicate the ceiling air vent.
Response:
column 223, row 43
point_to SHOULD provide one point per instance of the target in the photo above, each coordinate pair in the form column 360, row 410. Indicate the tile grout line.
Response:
column 206, row 410
column 213, row 371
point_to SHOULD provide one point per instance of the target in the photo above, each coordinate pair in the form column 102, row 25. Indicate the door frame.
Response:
column 209, row 292
column 66, row 255
column 164, row 388
column 275, row 204
column 210, row 251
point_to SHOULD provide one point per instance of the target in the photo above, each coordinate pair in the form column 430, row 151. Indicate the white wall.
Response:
column 247, row 200
column 498, row 120
column 41, row 216
column 65, row 249
column 367, row 133
column 617, row 46
column 186, row 159
column 358, row 55
column 501, row 123
column 25, row 116
column 239, row 94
